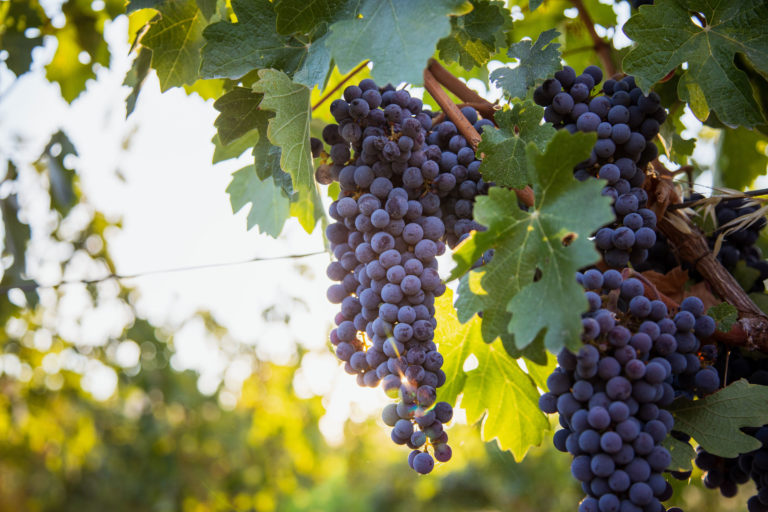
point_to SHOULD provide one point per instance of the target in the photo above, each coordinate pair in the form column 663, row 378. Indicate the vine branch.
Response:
column 464, row 127
column 751, row 331
column 460, row 89
column 451, row 110
column 602, row 48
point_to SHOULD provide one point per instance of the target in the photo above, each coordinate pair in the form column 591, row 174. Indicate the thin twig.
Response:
column 338, row 86
column 602, row 48
column 748, row 193
column 464, row 127
column 751, row 330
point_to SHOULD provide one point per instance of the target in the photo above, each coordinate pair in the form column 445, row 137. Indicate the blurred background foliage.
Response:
column 158, row 443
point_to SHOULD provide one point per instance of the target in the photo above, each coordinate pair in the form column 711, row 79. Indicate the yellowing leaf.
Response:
column 496, row 392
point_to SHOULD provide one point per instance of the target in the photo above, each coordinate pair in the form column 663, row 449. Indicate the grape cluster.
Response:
column 756, row 465
column 626, row 122
column 402, row 184
column 740, row 245
column 458, row 160
column 661, row 258
column 728, row 473
column 612, row 394
column 720, row 473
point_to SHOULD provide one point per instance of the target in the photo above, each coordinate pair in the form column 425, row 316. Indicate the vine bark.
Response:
column 751, row 331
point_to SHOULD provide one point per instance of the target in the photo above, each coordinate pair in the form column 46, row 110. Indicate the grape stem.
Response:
column 464, row 127
column 451, row 110
column 461, row 91
column 751, row 331
column 602, row 48
column 340, row 84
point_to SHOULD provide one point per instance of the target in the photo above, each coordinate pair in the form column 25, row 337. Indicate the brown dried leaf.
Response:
column 702, row 291
column 673, row 286
column 670, row 284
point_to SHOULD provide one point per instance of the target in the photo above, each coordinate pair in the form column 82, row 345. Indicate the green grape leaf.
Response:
column 725, row 315
column 681, row 148
column 289, row 130
column 682, row 454
column 714, row 421
column 478, row 35
column 307, row 207
column 316, row 66
column 392, row 35
column 135, row 78
column 234, row 49
column 741, row 158
column 262, row 150
column 575, row 37
column 497, row 391
column 16, row 235
column 455, row 340
column 135, row 5
column 207, row 7
column 505, row 161
column 175, row 40
column 304, row 15
column 529, row 285
column 240, row 113
column 61, row 177
column 666, row 36
column 15, row 18
column 537, row 61
column 270, row 207
column 234, row 149
column 540, row 372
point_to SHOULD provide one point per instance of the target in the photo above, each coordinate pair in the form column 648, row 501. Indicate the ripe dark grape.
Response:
column 726, row 474
column 612, row 394
column 626, row 123
column 407, row 192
